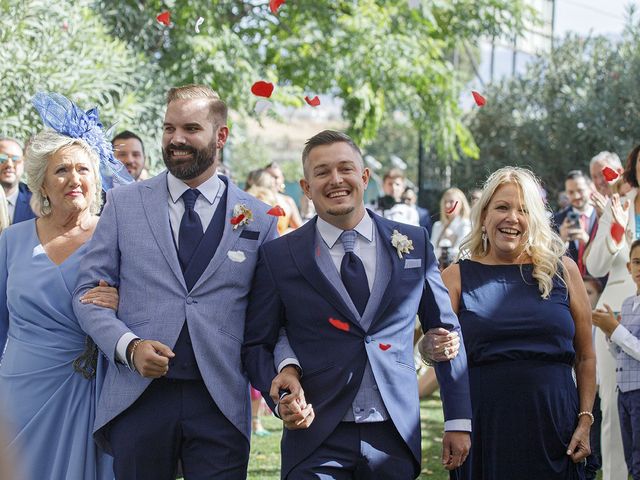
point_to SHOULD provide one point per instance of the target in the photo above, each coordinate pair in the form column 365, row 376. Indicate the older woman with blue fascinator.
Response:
column 50, row 371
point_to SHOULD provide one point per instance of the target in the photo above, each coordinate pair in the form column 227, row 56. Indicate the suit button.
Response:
column 358, row 409
column 375, row 387
column 368, row 339
column 189, row 300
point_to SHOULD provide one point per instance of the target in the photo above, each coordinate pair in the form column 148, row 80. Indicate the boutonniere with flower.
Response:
column 401, row 242
column 241, row 215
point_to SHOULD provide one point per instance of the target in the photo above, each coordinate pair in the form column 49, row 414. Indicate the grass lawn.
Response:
column 265, row 451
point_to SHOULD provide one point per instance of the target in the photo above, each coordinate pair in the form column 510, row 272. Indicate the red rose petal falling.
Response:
column 452, row 209
column 384, row 346
column 277, row 211
column 262, row 89
column 274, row 5
column 314, row 102
column 479, row 99
column 617, row 232
column 237, row 219
column 339, row 324
column 609, row 174
column 164, row 18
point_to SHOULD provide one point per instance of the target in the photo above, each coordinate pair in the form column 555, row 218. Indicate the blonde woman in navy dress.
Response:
column 526, row 323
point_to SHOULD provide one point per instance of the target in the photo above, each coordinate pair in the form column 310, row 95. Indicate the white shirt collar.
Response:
column 209, row 189
column 13, row 198
column 330, row 233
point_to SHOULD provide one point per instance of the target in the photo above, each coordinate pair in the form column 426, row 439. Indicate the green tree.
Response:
column 566, row 108
column 64, row 47
column 378, row 56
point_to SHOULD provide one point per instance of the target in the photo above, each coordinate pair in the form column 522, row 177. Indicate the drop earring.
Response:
column 485, row 240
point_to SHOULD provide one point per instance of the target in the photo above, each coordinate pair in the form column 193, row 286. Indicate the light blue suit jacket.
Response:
column 133, row 249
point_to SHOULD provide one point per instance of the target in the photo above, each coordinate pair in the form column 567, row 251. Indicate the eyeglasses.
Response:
column 14, row 158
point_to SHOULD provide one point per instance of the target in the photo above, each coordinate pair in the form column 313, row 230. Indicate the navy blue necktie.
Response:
column 354, row 276
column 191, row 231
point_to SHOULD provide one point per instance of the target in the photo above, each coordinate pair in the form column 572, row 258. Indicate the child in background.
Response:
column 625, row 345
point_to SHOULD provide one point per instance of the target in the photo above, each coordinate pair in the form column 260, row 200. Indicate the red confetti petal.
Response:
column 479, row 99
column 164, row 18
column 609, row 174
column 384, row 346
column 275, row 4
column 277, row 211
column 262, row 89
column 314, row 102
column 452, row 209
column 339, row 324
column 65, row 26
column 617, row 232
column 236, row 220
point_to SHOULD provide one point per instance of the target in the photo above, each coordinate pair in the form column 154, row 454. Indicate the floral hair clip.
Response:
column 63, row 116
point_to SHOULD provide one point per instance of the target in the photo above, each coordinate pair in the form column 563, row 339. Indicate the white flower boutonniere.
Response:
column 401, row 242
column 241, row 215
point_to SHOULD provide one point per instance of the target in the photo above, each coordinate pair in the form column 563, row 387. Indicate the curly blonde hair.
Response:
column 542, row 244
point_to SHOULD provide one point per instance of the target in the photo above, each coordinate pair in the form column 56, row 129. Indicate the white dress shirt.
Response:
column 622, row 337
column 210, row 193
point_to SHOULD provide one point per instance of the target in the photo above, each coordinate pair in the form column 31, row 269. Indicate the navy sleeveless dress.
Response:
column 520, row 353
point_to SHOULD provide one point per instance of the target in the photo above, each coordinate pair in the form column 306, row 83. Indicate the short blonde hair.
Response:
column 217, row 108
column 542, row 244
column 42, row 147
column 465, row 209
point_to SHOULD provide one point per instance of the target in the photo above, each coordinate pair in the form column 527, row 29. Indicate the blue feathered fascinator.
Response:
column 63, row 116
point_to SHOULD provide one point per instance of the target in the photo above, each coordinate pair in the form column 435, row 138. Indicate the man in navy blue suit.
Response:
column 11, row 169
column 345, row 289
column 578, row 222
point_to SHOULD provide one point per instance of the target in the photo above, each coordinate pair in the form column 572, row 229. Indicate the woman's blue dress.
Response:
column 49, row 407
column 520, row 353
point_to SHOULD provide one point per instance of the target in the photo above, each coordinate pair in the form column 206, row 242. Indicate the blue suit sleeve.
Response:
column 4, row 311
column 436, row 311
column 263, row 321
column 101, row 262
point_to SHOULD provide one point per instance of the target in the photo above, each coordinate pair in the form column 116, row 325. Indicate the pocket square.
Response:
column 412, row 263
column 250, row 234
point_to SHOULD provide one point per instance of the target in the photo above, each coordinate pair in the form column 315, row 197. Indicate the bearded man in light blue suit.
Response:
column 181, row 248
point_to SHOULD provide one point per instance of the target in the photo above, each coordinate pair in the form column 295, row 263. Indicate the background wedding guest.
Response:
column 578, row 222
column 291, row 220
column 410, row 198
column 49, row 374
column 129, row 149
column 454, row 223
column 525, row 319
column 608, row 255
column 603, row 189
column 11, row 169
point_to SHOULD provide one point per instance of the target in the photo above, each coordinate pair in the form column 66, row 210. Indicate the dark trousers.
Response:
column 629, row 412
column 177, row 420
column 594, row 461
column 359, row 451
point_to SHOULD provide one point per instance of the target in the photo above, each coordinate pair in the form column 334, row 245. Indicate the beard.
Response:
column 200, row 161
column 339, row 211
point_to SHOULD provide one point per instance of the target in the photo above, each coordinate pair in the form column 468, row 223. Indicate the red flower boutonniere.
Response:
column 241, row 215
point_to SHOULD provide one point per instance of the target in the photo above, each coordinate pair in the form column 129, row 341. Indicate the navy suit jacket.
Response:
column 23, row 210
column 289, row 290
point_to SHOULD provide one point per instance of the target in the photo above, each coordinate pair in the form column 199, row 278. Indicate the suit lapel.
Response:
column 396, row 265
column 155, row 196
column 303, row 249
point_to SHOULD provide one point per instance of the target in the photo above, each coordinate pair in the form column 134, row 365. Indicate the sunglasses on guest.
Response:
column 14, row 158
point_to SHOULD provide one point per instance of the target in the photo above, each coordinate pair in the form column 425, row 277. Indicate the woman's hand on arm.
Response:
column 103, row 296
